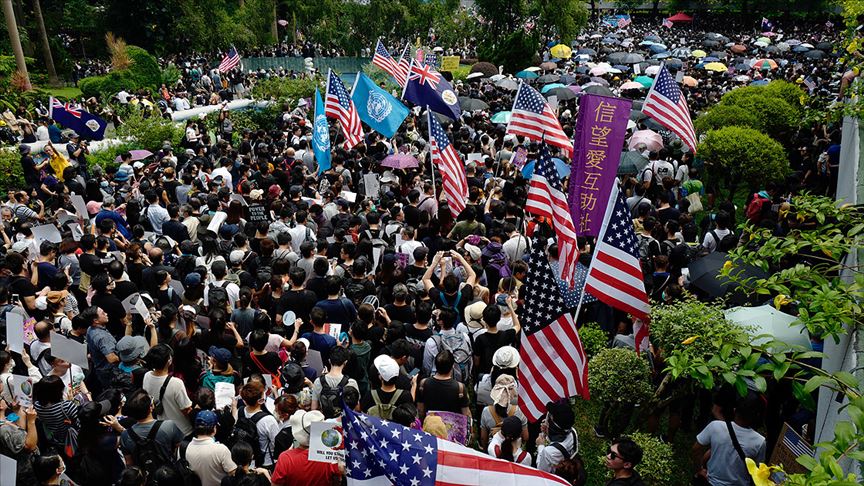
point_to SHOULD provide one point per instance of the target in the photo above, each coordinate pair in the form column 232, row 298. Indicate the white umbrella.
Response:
column 532, row 69
column 768, row 320
column 497, row 77
column 652, row 70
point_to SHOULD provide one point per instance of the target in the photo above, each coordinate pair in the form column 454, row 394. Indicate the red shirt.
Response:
column 295, row 468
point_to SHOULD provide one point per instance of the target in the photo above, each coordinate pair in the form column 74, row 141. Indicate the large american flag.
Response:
column 533, row 118
column 615, row 276
column 546, row 198
column 454, row 182
column 338, row 105
column 379, row 452
column 666, row 104
column 553, row 364
column 230, row 61
column 383, row 60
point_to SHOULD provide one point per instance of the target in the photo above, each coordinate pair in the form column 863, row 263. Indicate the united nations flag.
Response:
column 320, row 135
column 376, row 107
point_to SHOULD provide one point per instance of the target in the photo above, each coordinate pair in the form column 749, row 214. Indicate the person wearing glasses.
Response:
column 622, row 457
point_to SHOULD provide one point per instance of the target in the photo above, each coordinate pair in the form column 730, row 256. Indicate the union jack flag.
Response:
column 425, row 75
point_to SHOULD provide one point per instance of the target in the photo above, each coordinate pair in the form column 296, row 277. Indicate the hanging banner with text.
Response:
column 600, row 132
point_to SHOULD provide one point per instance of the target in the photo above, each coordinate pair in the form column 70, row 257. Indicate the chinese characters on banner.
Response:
column 600, row 132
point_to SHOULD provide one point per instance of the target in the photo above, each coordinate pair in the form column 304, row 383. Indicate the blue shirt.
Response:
column 322, row 343
column 100, row 343
column 119, row 221
column 54, row 133
column 340, row 311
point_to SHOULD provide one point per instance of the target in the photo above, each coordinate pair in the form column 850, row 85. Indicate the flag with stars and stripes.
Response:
column 338, row 105
column 454, row 181
column 533, row 118
column 552, row 360
column 666, row 105
column 378, row 452
column 432, row 59
column 667, row 23
column 385, row 61
column 573, row 294
column 404, row 65
column 546, row 198
column 230, row 61
column 615, row 276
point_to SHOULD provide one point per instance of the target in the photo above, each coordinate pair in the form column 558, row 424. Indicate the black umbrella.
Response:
column 674, row 64
column 563, row 94
column 616, row 57
column 548, row 78
column 705, row 275
column 637, row 115
column 586, row 50
column 567, row 79
column 710, row 43
column 814, row 54
column 824, row 46
column 598, row 90
column 472, row 104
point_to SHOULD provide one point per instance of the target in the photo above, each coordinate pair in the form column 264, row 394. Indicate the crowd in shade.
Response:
column 230, row 293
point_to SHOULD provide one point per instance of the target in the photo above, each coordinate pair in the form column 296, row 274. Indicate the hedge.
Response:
column 738, row 154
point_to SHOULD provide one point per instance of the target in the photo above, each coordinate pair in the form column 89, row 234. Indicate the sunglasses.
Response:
column 613, row 455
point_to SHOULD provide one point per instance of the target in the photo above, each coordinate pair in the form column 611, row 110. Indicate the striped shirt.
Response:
column 56, row 418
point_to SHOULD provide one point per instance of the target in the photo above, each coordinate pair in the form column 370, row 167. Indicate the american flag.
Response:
column 404, row 64
column 546, row 198
column 379, row 452
column 383, row 60
column 338, row 105
column 230, row 61
column 532, row 117
column 615, row 276
column 623, row 22
column 808, row 81
column 796, row 444
column 667, row 23
column 666, row 104
column 574, row 294
column 552, row 361
column 452, row 169
column 767, row 26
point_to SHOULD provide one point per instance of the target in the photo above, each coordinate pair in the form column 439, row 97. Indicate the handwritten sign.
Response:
column 449, row 63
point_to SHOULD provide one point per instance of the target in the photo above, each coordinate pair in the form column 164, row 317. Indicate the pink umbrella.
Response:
column 400, row 161
column 137, row 155
column 575, row 88
column 652, row 140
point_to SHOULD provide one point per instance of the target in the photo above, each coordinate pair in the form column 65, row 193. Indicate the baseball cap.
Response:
column 192, row 279
column 138, row 165
column 236, row 256
column 387, row 367
column 20, row 246
column 222, row 355
column 206, row 418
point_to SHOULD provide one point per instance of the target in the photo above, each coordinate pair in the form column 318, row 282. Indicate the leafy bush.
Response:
column 11, row 174
column 724, row 116
column 619, row 375
column 658, row 459
column 743, row 154
column 674, row 324
column 285, row 90
column 149, row 133
column 91, row 86
column 144, row 69
column 170, row 74
column 789, row 92
column 461, row 72
column 778, row 117
column 593, row 338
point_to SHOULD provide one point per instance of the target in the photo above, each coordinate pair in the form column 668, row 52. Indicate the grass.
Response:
column 592, row 448
column 63, row 92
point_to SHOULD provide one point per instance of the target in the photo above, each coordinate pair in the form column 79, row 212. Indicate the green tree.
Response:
column 720, row 116
column 743, row 155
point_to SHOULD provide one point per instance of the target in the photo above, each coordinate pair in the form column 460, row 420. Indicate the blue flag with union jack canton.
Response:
column 427, row 87
column 85, row 124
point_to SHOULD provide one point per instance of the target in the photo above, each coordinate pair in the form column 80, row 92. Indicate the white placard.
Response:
column 77, row 232
column 22, row 389
column 127, row 302
column 80, row 206
column 69, row 350
column 224, row 394
column 333, row 330
column 141, row 309
column 371, row 185
column 679, row 76
column 8, row 471
column 325, row 442
column 64, row 217
column 15, row 332
column 474, row 157
column 399, row 239
column 376, row 257
column 239, row 197
column 331, row 240
column 217, row 221
column 46, row 232
column 637, row 69
column 349, row 196
column 553, row 103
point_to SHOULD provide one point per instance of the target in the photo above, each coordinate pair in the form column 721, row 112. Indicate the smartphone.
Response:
column 414, row 372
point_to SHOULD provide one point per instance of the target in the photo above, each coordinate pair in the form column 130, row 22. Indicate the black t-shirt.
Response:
column 442, row 395
column 402, row 314
column 300, row 302
column 114, row 308
column 367, row 402
column 439, row 299
column 412, row 216
column 31, row 176
column 90, row 264
column 486, row 344
column 270, row 361
column 123, row 289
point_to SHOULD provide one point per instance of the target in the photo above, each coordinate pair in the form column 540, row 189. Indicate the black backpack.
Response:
column 330, row 400
column 725, row 244
column 150, row 456
column 284, row 440
column 246, row 430
column 217, row 296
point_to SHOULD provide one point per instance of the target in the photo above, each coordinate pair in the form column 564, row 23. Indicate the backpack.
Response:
column 499, row 420
column 725, row 244
column 572, row 468
column 246, row 430
column 150, row 456
column 383, row 410
column 461, row 349
column 217, row 296
column 330, row 399
column 757, row 208
column 646, row 254
column 284, row 440
column 276, row 378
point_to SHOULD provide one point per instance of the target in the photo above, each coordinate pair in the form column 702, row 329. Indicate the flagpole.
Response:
column 407, row 75
column 431, row 164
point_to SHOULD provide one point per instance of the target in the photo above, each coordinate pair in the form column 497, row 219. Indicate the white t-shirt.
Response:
column 210, row 460
column 725, row 467
column 710, row 243
column 659, row 169
column 174, row 401
column 408, row 247
column 519, row 456
column 231, row 288
column 267, row 427
column 226, row 176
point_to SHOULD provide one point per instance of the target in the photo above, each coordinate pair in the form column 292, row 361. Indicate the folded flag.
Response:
column 85, row 124
column 376, row 107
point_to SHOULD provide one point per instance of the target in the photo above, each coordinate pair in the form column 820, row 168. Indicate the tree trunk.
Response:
column 274, row 29
column 46, row 47
column 15, row 41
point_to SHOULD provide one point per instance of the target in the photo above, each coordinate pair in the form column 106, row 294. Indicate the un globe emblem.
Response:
column 322, row 132
column 378, row 107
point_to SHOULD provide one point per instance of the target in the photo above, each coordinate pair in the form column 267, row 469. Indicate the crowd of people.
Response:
column 232, row 262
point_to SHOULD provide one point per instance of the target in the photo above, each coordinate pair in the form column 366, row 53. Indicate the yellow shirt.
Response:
column 58, row 164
